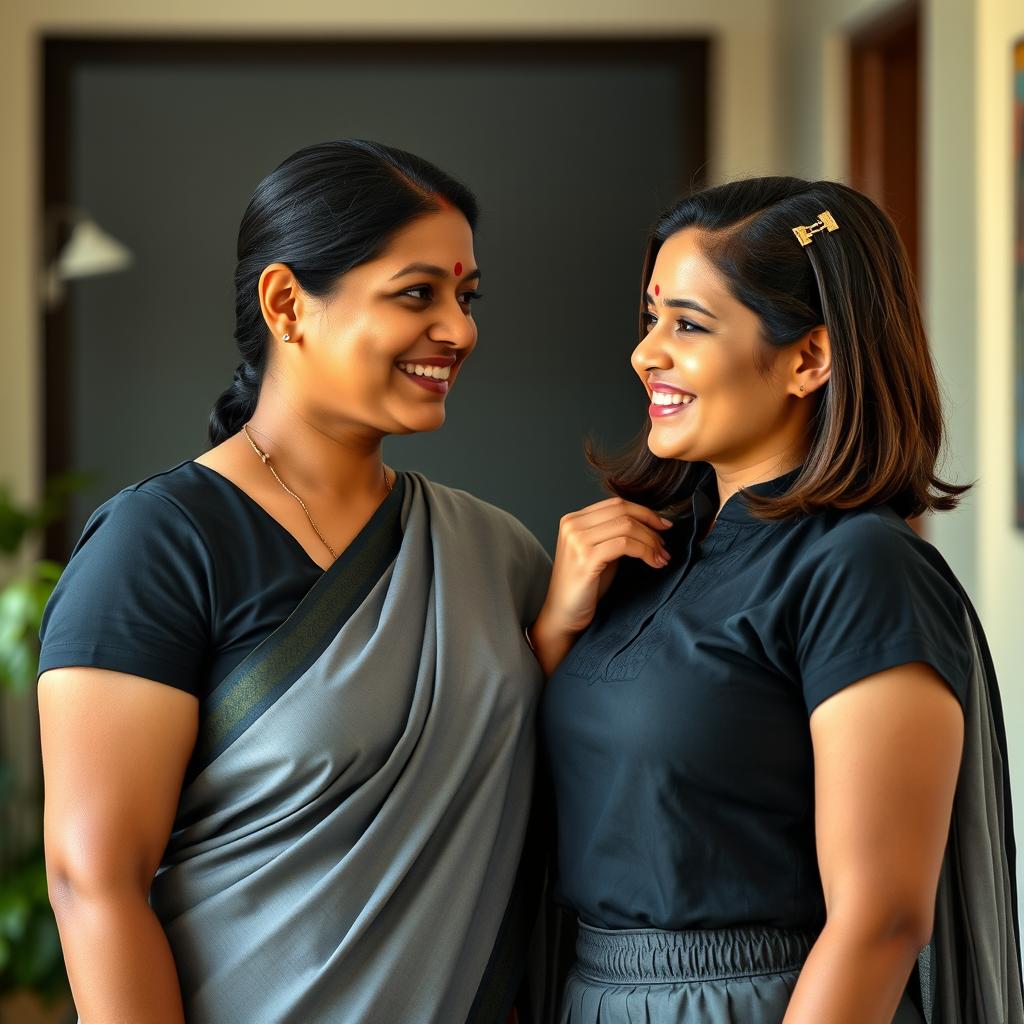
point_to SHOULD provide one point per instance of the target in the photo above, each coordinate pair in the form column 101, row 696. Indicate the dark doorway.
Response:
column 572, row 148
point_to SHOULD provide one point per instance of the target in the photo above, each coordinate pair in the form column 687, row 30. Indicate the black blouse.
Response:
column 677, row 728
column 175, row 579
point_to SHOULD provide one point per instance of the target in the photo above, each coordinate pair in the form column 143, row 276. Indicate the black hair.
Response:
column 326, row 209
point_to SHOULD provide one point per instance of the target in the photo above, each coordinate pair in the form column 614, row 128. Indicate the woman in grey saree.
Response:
column 346, row 845
column 286, row 698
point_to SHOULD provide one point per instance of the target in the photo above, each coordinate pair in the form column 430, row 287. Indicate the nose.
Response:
column 453, row 327
column 650, row 354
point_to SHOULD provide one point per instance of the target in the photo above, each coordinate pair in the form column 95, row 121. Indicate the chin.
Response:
column 667, row 450
column 421, row 424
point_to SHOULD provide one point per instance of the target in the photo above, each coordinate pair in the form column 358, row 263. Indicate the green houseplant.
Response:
column 30, row 954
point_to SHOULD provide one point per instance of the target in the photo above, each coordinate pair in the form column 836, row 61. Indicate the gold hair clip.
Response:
column 825, row 222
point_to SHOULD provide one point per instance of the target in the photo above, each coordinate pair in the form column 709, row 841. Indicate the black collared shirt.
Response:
column 677, row 728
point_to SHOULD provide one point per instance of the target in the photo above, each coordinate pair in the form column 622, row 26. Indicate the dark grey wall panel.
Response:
column 571, row 160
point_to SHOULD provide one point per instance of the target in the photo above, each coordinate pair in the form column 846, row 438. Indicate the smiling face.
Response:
column 385, row 348
column 719, row 393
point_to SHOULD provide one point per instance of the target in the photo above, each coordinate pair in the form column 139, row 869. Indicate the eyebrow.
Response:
column 682, row 304
column 433, row 271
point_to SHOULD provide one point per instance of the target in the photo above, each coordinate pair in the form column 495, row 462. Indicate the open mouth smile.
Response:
column 667, row 400
column 430, row 374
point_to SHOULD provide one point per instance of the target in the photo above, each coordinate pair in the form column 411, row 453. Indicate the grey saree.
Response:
column 349, row 836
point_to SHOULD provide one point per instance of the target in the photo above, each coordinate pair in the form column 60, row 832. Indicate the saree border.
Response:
column 276, row 664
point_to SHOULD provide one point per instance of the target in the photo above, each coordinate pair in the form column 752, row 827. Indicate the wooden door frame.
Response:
column 883, row 164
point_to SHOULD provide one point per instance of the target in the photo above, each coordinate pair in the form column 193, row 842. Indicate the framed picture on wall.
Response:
column 1018, row 260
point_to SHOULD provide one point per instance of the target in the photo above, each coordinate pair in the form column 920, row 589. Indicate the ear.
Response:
column 812, row 363
column 281, row 300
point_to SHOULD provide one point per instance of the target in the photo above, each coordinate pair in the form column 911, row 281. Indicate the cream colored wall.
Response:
column 1001, row 544
column 743, row 115
column 949, row 224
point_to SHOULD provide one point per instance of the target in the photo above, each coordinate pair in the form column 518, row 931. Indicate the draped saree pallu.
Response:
column 348, row 840
column 970, row 972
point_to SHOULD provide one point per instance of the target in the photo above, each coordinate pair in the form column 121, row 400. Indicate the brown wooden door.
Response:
column 885, row 122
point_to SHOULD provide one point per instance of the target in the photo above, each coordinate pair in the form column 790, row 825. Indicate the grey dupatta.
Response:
column 970, row 972
column 347, row 843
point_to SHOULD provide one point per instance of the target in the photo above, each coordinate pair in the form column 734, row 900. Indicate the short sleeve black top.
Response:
column 176, row 579
column 677, row 729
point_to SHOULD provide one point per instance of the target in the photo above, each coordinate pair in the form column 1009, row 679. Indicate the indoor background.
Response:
column 575, row 121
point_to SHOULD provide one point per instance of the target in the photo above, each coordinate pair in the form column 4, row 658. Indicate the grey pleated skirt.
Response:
column 720, row 976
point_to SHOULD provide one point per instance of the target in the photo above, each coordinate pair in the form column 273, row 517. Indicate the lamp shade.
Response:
column 89, row 251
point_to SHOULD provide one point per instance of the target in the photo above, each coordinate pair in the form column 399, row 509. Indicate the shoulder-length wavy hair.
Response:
column 877, row 430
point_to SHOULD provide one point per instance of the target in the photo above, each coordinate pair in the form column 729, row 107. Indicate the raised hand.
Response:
column 590, row 544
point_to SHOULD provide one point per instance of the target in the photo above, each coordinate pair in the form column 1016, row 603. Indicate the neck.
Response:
column 317, row 460
column 735, row 476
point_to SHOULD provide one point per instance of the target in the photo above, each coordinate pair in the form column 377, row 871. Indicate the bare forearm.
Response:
column 118, row 960
column 853, row 976
column 549, row 644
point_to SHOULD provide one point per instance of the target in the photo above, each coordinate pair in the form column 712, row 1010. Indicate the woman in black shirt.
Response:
column 755, row 722
column 287, row 705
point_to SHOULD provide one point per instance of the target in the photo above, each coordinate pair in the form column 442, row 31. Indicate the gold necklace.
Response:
column 265, row 458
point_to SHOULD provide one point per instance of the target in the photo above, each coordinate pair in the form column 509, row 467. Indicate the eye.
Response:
column 649, row 320
column 688, row 327
column 468, row 298
column 422, row 292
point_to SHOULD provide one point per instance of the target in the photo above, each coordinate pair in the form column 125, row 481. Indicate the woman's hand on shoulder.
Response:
column 590, row 544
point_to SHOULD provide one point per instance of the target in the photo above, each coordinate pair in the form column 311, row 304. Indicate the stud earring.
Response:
column 802, row 388
column 288, row 337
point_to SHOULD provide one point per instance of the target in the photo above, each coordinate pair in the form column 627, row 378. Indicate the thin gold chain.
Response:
column 265, row 458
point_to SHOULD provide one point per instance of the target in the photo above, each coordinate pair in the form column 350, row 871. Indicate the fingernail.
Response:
column 667, row 522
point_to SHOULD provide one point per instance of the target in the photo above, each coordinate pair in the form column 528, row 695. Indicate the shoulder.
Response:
column 149, row 520
column 138, row 594
column 187, row 488
column 477, row 515
column 497, row 544
column 494, row 542
column 868, row 594
column 871, row 554
column 869, row 541
column 164, row 500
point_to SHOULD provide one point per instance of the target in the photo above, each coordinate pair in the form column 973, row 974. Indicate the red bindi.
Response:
column 458, row 269
column 657, row 289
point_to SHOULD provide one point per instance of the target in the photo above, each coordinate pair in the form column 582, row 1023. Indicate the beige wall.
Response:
column 742, row 135
column 1001, row 544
